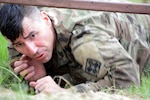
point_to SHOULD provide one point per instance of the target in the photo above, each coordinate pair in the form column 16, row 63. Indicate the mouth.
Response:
column 40, row 57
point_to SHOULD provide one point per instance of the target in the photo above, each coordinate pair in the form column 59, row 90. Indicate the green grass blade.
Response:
column 11, row 73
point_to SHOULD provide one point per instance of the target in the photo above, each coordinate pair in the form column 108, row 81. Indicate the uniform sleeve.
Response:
column 103, row 59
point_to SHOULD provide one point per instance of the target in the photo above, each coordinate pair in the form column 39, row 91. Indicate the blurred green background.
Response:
column 141, row 1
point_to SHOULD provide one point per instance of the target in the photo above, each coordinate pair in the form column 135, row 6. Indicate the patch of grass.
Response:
column 3, row 60
column 3, row 50
column 139, row 1
column 8, row 78
column 143, row 91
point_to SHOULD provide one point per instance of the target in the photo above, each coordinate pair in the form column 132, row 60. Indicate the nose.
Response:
column 31, row 48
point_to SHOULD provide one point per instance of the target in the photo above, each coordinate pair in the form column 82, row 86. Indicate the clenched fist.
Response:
column 29, row 69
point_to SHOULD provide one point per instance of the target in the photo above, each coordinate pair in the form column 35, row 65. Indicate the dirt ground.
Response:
column 6, row 94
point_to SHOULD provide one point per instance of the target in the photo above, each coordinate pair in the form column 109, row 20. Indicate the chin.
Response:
column 46, row 59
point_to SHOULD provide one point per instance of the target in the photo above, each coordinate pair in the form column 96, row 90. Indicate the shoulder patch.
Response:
column 92, row 66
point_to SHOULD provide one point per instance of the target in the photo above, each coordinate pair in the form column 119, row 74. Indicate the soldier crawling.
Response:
column 88, row 50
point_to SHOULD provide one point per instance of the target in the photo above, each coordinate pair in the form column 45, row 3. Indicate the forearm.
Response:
column 123, row 76
column 126, row 75
column 93, row 86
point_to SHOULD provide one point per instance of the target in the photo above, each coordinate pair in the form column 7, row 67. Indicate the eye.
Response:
column 18, row 45
column 32, row 35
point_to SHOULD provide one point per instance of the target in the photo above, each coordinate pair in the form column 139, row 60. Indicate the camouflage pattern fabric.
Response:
column 98, row 49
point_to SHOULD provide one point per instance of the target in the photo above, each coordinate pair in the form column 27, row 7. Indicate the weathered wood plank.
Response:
column 87, row 5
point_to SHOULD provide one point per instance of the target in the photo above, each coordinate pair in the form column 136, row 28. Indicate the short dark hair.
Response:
column 11, row 19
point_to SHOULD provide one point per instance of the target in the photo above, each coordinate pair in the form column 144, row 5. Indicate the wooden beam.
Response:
column 87, row 5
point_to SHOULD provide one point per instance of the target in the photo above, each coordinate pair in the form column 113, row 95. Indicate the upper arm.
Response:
column 100, row 54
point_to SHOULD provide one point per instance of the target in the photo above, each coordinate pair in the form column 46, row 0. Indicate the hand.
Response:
column 29, row 69
column 46, row 85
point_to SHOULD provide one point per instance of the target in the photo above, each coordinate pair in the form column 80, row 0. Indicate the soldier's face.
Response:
column 38, row 39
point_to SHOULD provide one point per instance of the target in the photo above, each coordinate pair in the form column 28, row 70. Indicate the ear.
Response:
column 45, row 18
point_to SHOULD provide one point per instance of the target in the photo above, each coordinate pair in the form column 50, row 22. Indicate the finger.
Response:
column 39, row 84
column 27, row 71
column 40, row 87
column 44, row 78
column 18, row 63
column 20, row 68
column 29, row 76
column 33, row 84
column 24, row 57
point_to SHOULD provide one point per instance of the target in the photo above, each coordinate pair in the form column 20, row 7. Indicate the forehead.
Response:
column 28, row 25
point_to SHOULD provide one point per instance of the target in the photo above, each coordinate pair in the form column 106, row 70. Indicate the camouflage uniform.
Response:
column 88, row 53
